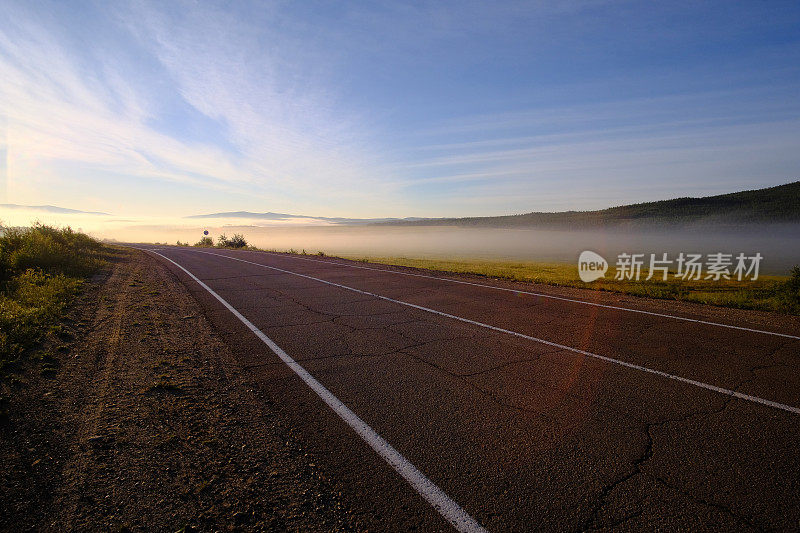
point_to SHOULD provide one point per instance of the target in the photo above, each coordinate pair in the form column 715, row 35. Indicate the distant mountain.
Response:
column 779, row 204
column 285, row 216
column 51, row 209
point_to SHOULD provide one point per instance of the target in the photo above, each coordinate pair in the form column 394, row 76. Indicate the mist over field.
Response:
column 779, row 244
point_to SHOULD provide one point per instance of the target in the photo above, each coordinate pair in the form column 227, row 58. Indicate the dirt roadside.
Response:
column 148, row 423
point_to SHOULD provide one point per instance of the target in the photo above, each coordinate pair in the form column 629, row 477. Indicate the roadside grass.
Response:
column 767, row 293
column 42, row 268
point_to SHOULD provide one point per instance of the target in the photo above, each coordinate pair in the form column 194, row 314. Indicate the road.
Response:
column 475, row 403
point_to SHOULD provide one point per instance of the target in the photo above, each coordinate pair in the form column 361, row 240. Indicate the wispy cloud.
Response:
column 637, row 149
column 276, row 135
column 392, row 109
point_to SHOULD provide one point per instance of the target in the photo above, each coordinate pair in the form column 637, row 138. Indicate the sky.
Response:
column 396, row 109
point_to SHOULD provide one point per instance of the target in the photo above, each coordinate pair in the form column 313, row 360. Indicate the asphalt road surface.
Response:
column 437, row 403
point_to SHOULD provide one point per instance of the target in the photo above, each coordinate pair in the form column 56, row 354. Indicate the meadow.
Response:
column 767, row 293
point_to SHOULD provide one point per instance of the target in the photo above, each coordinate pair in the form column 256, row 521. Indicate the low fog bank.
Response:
column 778, row 244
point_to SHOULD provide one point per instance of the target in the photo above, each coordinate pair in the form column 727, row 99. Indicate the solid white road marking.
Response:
column 552, row 297
column 721, row 390
column 445, row 505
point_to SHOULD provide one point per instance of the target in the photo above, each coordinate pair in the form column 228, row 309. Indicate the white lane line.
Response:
column 721, row 390
column 572, row 300
column 435, row 496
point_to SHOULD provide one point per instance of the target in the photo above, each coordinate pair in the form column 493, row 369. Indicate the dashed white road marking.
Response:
column 700, row 384
column 446, row 506
column 543, row 295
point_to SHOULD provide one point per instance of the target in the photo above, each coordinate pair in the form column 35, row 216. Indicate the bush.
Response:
column 53, row 250
column 237, row 241
column 794, row 282
column 40, row 271
column 205, row 241
column 788, row 292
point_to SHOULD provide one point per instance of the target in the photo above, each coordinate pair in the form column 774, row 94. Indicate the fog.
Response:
column 778, row 244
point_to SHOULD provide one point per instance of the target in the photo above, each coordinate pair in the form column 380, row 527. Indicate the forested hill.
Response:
column 779, row 204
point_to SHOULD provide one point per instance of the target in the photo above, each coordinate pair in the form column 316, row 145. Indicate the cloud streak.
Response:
column 429, row 109
column 273, row 139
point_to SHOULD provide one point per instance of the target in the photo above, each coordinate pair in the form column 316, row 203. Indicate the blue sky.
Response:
column 394, row 109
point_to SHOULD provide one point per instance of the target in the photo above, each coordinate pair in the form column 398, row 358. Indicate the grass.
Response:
column 767, row 293
column 42, row 268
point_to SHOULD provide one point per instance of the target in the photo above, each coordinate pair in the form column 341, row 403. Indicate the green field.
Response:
column 767, row 293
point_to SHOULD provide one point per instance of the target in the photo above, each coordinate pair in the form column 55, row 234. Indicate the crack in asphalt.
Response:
column 483, row 392
column 647, row 454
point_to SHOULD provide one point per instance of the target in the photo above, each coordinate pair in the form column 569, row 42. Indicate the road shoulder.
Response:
column 148, row 422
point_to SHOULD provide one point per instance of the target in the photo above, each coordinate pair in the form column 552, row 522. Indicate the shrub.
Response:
column 237, row 241
column 788, row 292
column 40, row 271
column 53, row 250
column 205, row 241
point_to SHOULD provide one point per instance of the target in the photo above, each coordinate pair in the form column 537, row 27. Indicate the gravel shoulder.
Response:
column 143, row 419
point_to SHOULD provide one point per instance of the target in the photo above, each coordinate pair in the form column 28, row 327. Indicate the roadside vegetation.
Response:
column 41, row 269
column 236, row 242
column 767, row 293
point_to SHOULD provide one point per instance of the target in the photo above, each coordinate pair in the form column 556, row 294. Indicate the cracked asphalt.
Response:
column 524, row 436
